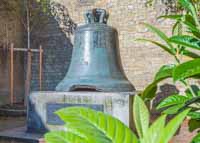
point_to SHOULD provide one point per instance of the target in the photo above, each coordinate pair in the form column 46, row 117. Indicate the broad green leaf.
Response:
column 172, row 127
column 159, row 45
column 186, row 19
column 96, row 126
column 187, row 4
column 172, row 100
column 195, row 89
column 154, row 132
column 196, row 139
column 191, row 102
column 187, row 41
column 189, row 20
column 162, row 35
column 193, row 124
column 195, row 33
column 191, row 26
column 141, row 116
column 186, row 70
column 175, row 28
column 174, row 17
column 173, row 109
column 164, row 72
column 63, row 137
column 188, row 94
column 190, row 54
column 150, row 91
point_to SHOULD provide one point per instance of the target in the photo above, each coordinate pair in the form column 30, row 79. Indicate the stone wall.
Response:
column 56, row 59
column 10, row 32
column 57, row 48
column 140, row 60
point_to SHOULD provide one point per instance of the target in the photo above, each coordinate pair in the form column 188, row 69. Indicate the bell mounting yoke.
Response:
column 96, row 16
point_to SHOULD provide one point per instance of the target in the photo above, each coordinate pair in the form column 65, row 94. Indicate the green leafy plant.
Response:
column 172, row 6
column 184, row 46
column 85, row 125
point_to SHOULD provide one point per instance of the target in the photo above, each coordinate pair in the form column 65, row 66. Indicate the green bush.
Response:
column 184, row 42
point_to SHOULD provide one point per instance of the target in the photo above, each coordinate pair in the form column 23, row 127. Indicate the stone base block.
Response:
column 42, row 106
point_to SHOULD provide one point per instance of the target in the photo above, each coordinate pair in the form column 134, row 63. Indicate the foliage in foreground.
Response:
column 184, row 46
column 85, row 125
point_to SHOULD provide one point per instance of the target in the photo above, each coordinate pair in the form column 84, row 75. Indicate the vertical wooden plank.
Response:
column 40, row 67
column 28, row 76
column 12, row 74
column 7, row 37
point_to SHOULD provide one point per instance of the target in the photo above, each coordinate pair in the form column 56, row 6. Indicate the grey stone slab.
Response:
column 41, row 116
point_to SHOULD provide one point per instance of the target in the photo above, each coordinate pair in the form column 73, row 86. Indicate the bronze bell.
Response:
column 95, row 63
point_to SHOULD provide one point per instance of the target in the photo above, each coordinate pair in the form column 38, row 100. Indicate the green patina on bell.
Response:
column 96, row 64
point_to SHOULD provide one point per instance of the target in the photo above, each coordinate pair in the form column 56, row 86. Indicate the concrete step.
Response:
column 19, row 135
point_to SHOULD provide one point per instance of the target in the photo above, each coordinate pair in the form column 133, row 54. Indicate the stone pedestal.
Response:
column 42, row 106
